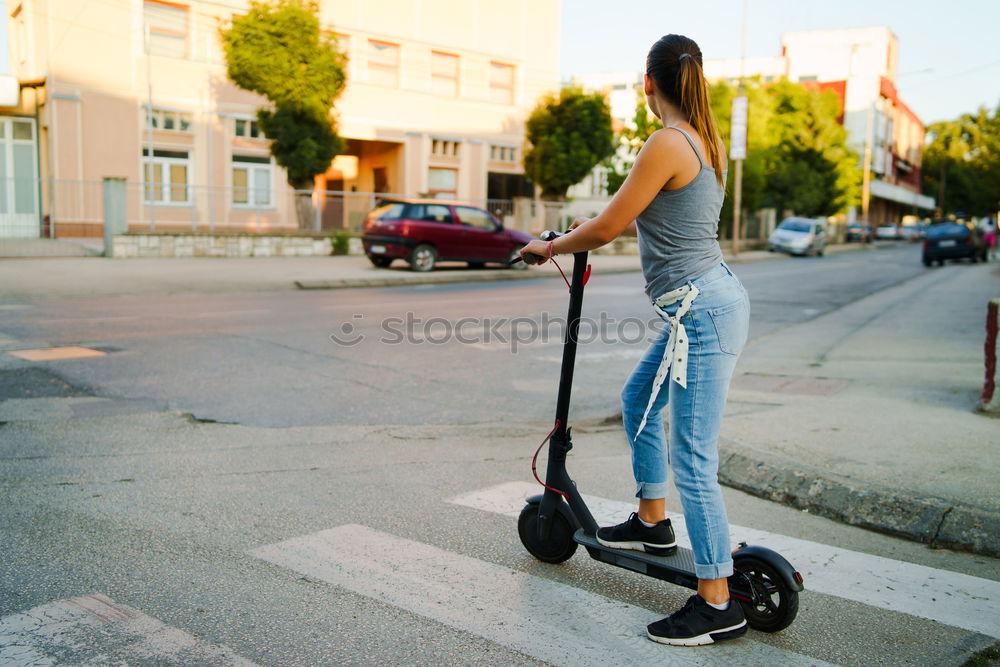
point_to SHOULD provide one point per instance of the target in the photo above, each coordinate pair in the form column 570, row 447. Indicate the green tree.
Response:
column 961, row 164
column 810, row 169
column 569, row 134
column 277, row 50
column 797, row 154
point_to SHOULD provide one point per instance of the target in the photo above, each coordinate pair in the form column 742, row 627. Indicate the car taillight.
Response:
column 927, row 244
column 370, row 222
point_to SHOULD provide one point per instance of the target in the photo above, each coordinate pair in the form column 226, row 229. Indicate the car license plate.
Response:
column 377, row 249
column 946, row 244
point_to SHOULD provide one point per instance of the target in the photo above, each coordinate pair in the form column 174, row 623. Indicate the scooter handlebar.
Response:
column 532, row 258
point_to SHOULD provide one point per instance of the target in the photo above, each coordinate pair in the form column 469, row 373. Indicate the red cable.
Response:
column 565, row 280
column 534, row 470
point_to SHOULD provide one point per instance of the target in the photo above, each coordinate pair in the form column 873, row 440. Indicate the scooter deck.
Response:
column 678, row 567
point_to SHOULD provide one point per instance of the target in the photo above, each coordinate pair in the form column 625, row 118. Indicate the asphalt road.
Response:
column 442, row 354
column 353, row 511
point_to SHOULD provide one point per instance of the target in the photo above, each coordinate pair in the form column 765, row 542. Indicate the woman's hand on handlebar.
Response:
column 578, row 222
column 535, row 247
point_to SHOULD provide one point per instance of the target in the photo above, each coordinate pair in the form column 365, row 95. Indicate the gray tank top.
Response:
column 679, row 230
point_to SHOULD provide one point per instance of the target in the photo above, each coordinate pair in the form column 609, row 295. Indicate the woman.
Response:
column 671, row 201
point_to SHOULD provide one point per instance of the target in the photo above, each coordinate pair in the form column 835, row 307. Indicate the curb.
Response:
column 935, row 522
column 496, row 275
column 444, row 278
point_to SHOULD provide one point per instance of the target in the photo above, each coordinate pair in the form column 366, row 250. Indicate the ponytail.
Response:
column 695, row 105
column 674, row 63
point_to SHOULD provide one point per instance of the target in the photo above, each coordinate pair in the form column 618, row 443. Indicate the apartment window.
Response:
column 383, row 63
column 165, row 177
column 252, row 179
column 808, row 77
column 501, row 83
column 445, row 147
column 247, row 129
column 165, row 119
column 444, row 74
column 442, row 182
column 167, row 26
column 500, row 153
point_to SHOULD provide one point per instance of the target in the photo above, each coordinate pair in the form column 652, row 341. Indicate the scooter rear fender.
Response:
column 784, row 569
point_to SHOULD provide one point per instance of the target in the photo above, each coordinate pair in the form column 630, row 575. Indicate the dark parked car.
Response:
column 857, row 231
column 952, row 240
column 426, row 231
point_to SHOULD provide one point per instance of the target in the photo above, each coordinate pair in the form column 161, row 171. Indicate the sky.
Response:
column 949, row 51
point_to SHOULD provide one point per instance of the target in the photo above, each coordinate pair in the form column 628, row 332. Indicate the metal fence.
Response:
column 73, row 207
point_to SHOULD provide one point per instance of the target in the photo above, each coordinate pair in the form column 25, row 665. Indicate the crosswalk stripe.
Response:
column 956, row 599
column 95, row 630
column 544, row 619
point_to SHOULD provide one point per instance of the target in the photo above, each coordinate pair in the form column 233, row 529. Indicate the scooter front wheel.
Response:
column 773, row 605
column 558, row 545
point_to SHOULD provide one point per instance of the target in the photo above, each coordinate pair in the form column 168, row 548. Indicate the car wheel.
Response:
column 380, row 262
column 520, row 266
column 928, row 262
column 423, row 258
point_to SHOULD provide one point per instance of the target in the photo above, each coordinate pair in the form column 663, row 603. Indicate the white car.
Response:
column 799, row 236
column 887, row 232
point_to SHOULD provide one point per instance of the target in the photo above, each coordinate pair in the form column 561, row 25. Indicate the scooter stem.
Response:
column 569, row 346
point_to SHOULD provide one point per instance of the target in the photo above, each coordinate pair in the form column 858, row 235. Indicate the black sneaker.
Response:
column 698, row 623
column 634, row 535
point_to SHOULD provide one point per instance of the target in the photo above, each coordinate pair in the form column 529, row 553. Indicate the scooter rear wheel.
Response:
column 558, row 545
column 774, row 605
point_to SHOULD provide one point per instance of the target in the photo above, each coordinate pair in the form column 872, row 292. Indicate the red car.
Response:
column 426, row 231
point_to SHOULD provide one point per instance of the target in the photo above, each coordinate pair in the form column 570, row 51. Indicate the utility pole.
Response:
column 866, row 181
column 738, row 136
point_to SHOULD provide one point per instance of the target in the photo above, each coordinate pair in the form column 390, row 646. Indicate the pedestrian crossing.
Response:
column 551, row 621
column 953, row 598
column 95, row 630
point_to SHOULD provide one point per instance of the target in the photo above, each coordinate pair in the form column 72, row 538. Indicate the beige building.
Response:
column 436, row 98
column 859, row 66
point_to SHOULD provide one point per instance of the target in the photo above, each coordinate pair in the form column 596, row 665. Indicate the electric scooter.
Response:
column 554, row 523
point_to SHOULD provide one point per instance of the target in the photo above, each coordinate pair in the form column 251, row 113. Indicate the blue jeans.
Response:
column 717, row 326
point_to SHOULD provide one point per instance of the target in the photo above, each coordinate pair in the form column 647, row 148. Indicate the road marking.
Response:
column 948, row 597
column 57, row 353
column 94, row 630
column 544, row 619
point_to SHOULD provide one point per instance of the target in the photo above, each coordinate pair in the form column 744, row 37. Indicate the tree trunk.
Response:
column 304, row 210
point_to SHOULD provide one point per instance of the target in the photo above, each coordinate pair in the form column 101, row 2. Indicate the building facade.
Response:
column 859, row 65
column 435, row 104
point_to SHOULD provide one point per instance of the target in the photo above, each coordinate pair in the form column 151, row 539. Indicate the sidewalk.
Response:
column 79, row 276
column 866, row 415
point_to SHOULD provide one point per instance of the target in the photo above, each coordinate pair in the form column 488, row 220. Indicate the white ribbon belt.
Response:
column 675, row 355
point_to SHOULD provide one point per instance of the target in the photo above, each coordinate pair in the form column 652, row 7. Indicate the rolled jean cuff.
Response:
column 651, row 490
column 718, row 571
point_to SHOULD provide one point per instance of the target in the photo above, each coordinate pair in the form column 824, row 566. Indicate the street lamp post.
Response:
column 738, row 134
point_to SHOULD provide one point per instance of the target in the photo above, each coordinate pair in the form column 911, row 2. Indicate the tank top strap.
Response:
column 690, row 141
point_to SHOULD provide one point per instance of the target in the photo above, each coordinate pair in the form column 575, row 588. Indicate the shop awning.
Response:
column 895, row 193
